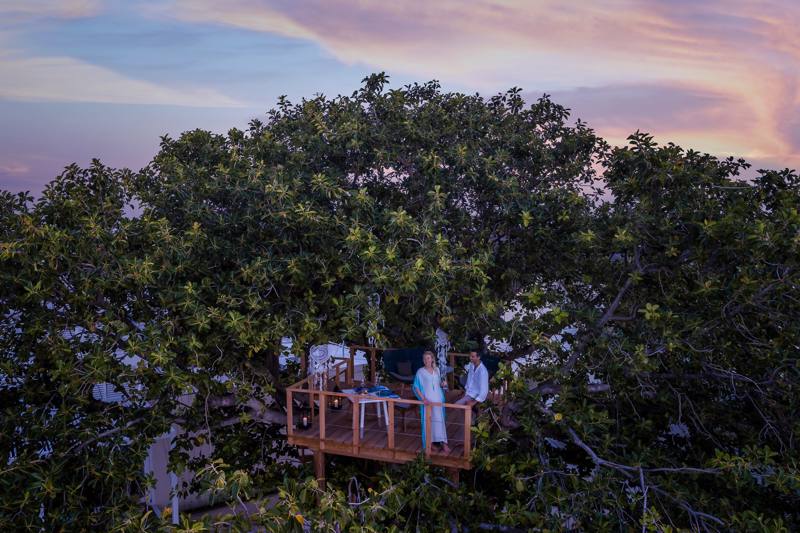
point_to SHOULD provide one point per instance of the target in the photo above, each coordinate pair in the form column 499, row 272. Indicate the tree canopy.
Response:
column 652, row 290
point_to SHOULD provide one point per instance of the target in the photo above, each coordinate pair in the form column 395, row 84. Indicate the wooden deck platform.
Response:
column 339, row 431
column 399, row 442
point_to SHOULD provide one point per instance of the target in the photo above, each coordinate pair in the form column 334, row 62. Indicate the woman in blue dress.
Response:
column 428, row 388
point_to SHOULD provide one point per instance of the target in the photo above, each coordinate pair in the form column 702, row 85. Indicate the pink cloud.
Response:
column 65, row 79
column 16, row 10
column 742, row 56
column 14, row 168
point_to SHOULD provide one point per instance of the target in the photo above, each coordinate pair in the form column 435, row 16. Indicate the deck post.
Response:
column 322, row 410
column 390, row 424
column 428, row 412
column 467, row 432
column 453, row 474
column 319, row 468
column 372, row 368
column 451, row 379
column 289, row 417
column 355, row 427
column 351, row 368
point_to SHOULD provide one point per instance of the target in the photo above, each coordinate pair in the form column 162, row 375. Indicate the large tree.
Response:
column 675, row 398
column 662, row 391
column 375, row 215
column 657, row 299
column 74, row 291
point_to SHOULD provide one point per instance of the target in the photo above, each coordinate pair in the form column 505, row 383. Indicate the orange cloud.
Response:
column 745, row 54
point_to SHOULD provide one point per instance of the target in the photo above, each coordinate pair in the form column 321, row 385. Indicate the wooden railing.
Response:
column 342, row 375
column 324, row 398
column 305, row 385
column 373, row 363
column 373, row 360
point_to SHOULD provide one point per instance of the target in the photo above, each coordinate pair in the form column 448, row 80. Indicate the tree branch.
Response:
column 549, row 387
column 573, row 358
column 104, row 434
column 627, row 468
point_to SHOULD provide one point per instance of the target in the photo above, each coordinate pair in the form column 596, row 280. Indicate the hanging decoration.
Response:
column 374, row 304
column 442, row 348
column 319, row 364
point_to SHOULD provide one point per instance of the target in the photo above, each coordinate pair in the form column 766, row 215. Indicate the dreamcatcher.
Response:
column 319, row 365
column 442, row 348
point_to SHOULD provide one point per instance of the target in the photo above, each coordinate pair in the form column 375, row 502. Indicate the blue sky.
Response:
column 94, row 78
column 250, row 67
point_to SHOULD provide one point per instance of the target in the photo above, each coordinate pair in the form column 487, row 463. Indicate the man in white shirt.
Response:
column 477, row 386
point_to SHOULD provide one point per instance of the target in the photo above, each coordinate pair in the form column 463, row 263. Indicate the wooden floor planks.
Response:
column 373, row 442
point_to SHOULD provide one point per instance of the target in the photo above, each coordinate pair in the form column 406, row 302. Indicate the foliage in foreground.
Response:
column 662, row 312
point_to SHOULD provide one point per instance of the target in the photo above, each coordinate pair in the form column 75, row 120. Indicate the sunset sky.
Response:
column 90, row 78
